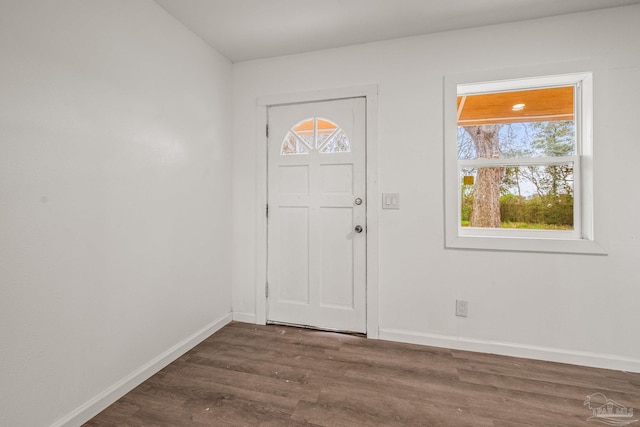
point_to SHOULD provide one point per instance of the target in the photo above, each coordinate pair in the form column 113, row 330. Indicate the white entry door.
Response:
column 317, row 214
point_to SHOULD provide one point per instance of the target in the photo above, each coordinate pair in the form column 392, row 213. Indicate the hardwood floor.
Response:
column 249, row 375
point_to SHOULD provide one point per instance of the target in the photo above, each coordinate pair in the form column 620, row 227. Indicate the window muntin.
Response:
column 315, row 134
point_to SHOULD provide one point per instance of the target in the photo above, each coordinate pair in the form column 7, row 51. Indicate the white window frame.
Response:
column 579, row 240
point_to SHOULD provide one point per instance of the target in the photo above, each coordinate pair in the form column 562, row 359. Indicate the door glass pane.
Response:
column 338, row 143
column 293, row 145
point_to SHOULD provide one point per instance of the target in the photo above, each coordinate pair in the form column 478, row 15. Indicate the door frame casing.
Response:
column 370, row 93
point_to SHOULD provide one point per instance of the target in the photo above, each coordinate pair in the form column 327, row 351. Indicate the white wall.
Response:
column 115, row 218
column 575, row 308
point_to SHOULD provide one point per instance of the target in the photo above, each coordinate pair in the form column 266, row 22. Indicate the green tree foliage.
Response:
column 554, row 139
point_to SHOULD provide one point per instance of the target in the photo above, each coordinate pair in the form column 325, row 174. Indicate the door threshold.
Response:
column 316, row 328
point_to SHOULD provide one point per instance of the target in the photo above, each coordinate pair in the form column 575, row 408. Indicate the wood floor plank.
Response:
column 339, row 407
column 550, row 388
column 580, row 377
column 251, row 375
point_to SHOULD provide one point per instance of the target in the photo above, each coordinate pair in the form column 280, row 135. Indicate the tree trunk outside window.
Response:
column 485, row 210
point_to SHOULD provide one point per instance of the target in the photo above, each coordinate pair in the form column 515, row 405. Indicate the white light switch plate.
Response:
column 390, row 200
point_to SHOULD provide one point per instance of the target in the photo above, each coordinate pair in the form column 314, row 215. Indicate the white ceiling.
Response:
column 250, row 29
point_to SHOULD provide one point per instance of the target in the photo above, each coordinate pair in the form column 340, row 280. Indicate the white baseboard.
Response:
column 595, row 360
column 94, row 406
column 244, row 317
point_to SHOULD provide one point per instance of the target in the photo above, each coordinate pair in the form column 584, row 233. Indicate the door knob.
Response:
column 358, row 229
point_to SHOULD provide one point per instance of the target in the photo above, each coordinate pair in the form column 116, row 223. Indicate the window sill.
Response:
column 518, row 244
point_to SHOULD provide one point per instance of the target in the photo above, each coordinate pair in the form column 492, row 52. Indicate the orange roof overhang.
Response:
column 495, row 108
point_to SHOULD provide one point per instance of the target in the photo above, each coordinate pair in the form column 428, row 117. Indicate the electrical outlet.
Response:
column 462, row 308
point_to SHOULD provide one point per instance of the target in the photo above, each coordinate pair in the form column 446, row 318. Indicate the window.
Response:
column 315, row 134
column 515, row 157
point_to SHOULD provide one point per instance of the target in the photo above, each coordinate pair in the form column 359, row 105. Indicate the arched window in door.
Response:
column 315, row 134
